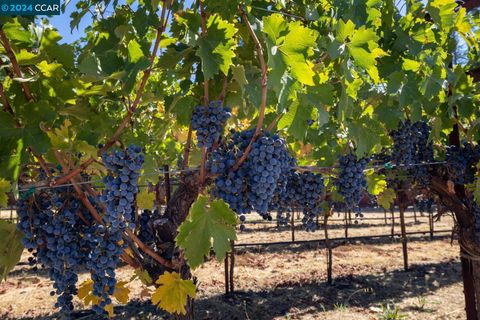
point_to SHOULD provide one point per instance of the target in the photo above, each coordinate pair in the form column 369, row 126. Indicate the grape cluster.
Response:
column 208, row 122
column 267, row 161
column 231, row 185
column 54, row 231
column 302, row 191
column 121, row 185
column 411, row 149
column 351, row 181
column 105, row 248
column 145, row 232
column 253, row 185
column 311, row 188
column 424, row 205
column 287, row 197
column 461, row 162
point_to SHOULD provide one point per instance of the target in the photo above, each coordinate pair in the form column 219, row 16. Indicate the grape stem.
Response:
column 222, row 94
column 274, row 122
column 203, row 15
column 15, row 65
column 186, row 152
column 130, row 112
column 41, row 161
column 263, row 82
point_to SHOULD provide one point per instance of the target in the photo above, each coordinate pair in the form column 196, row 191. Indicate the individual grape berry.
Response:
column 208, row 123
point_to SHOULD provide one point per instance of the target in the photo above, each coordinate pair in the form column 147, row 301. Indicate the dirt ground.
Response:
column 289, row 281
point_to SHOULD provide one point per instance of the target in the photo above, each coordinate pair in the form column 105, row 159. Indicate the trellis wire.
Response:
column 193, row 169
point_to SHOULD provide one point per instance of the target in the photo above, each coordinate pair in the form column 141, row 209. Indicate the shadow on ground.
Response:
column 306, row 298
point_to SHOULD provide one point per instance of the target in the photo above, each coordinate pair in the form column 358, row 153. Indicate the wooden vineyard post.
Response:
column 346, row 224
column 392, row 211
column 166, row 171
column 404, row 236
column 329, row 250
column 385, row 215
column 430, row 224
column 227, row 282
column 232, row 266
column 292, row 225
column 349, row 217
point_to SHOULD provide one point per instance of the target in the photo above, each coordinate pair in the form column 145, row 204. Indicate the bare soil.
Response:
column 289, row 281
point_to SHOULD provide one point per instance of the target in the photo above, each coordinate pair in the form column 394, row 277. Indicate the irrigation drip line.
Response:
column 342, row 239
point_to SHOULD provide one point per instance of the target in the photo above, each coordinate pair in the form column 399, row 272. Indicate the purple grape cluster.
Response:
column 412, row 149
column 351, row 182
column 208, row 122
column 462, row 161
column 424, row 205
column 311, row 188
column 145, row 232
column 252, row 186
column 121, row 185
column 54, row 232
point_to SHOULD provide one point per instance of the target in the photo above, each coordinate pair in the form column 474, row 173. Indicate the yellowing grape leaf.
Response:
column 209, row 223
column 386, row 198
column 173, row 292
column 376, row 183
column 145, row 199
column 4, row 189
column 11, row 247
column 85, row 293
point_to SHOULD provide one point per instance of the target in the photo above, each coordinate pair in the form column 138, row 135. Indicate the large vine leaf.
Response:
column 216, row 48
column 209, row 223
column 293, row 43
column 173, row 292
column 11, row 247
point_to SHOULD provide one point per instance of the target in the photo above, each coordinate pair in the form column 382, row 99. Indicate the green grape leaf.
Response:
column 294, row 43
column 386, row 198
column 208, row 224
column 411, row 65
column 11, row 247
column 217, row 48
column 135, row 52
column 25, row 57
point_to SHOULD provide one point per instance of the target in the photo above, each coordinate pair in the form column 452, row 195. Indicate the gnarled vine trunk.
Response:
column 166, row 229
column 453, row 199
